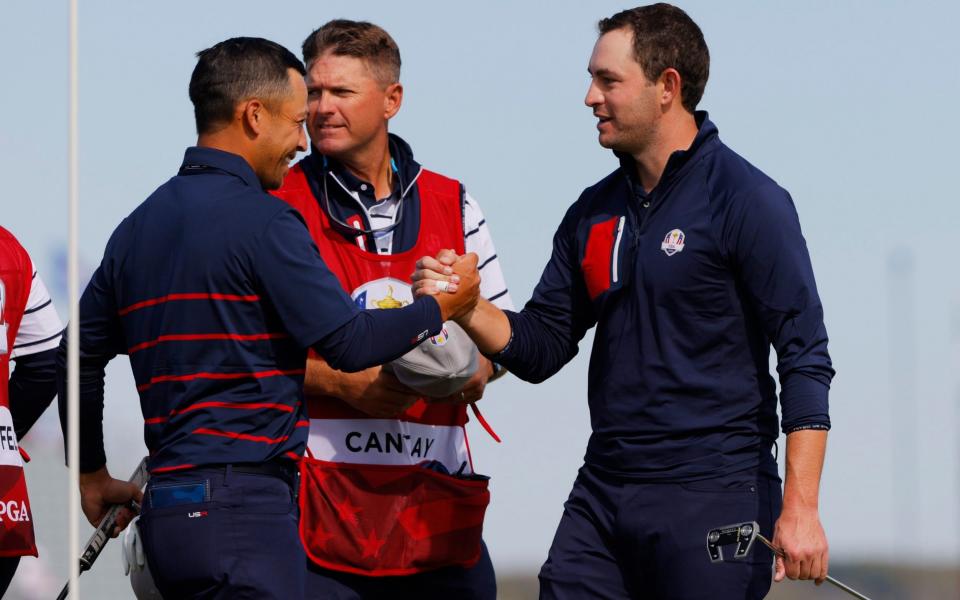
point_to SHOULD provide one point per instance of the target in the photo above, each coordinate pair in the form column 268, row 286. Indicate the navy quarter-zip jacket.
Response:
column 688, row 286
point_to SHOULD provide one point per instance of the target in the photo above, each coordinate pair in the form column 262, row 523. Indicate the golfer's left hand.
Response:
column 800, row 535
column 434, row 275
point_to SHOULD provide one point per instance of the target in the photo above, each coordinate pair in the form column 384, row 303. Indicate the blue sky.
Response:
column 847, row 105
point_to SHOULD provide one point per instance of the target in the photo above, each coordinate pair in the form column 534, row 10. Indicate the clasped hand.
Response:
column 452, row 280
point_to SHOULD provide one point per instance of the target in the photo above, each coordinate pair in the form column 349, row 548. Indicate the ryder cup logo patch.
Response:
column 673, row 242
column 385, row 292
column 441, row 338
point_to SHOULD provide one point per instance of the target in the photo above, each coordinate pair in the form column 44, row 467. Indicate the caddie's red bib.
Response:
column 16, row 518
column 368, row 504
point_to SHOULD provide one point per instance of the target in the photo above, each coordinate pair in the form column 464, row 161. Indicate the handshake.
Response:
column 452, row 280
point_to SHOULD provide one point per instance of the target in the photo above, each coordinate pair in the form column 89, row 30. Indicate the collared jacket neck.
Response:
column 706, row 131
column 327, row 175
column 401, row 155
column 196, row 159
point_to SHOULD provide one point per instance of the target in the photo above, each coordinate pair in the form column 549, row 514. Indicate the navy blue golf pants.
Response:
column 619, row 540
column 450, row 583
column 215, row 533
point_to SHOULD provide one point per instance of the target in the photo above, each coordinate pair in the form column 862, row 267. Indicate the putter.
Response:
column 101, row 535
column 743, row 535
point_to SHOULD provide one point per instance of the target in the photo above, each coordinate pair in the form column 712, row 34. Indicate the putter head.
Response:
column 741, row 534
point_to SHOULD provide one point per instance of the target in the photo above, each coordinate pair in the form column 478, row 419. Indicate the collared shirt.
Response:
column 40, row 328
column 688, row 284
column 395, row 220
column 32, row 386
column 215, row 290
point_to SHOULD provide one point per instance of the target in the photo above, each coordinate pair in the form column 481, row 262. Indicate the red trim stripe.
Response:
column 204, row 375
column 173, row 468
column 240, row 436
column 197, row 296
column 234, row 405
column 196, row 337
column 305, row 423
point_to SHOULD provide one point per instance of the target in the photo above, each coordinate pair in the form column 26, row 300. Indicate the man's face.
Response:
column 282, row 135
column 348, row 106
column 624, row 101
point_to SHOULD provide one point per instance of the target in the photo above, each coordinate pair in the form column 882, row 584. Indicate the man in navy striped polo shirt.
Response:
column 215, row 291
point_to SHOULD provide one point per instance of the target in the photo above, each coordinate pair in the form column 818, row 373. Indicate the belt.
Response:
column 284, row 470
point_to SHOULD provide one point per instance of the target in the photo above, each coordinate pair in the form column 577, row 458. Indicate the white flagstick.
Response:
column 73, row 337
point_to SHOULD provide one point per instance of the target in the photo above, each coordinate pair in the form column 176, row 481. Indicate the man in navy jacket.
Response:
column 214, row 290
column 691, row 263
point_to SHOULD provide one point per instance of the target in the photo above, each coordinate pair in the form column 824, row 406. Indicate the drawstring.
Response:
column 483, row 422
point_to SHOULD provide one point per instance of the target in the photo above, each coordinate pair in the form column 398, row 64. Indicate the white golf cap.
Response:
column 441, row 365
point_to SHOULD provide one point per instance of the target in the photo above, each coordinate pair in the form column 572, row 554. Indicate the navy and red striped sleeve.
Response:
column 102, row 338
column 317, row 312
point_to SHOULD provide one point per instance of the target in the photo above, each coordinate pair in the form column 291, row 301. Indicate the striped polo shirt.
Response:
column 214, row 290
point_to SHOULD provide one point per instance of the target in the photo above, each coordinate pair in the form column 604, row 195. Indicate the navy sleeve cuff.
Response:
column 500, row 358
column 533, row 353
column 804, row 403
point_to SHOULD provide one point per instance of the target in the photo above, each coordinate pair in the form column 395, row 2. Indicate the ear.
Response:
column 670, row 87
column 392, row 99
column 252, row 114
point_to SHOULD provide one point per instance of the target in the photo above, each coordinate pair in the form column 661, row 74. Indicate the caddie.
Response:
column 30, row 331
column 392, row 505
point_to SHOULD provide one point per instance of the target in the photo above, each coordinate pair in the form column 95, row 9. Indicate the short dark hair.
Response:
column 236, row 70
column 666, row 37
column 359, row 39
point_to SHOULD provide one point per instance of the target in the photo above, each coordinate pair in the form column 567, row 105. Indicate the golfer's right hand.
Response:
column 800, row 535
column 457, row 303
column 99, row 491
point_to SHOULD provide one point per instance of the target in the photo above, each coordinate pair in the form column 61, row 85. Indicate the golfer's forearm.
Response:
column 323, row 380
column 319, row 378
column 488, row 326
column 805, row 453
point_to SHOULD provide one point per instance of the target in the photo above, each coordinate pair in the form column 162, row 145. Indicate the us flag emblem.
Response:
column 672, row 243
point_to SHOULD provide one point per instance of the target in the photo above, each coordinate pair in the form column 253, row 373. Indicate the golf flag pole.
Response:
column 73, row 335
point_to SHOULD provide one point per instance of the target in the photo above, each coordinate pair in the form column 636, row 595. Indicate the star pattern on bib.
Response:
column 320, row 537
column 348, row 512
column 371, row 545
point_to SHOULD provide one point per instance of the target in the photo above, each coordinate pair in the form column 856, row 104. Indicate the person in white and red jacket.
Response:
column 30, row 331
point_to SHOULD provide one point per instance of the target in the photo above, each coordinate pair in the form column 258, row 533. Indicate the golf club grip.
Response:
column 101, row 534
column 99, row 538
